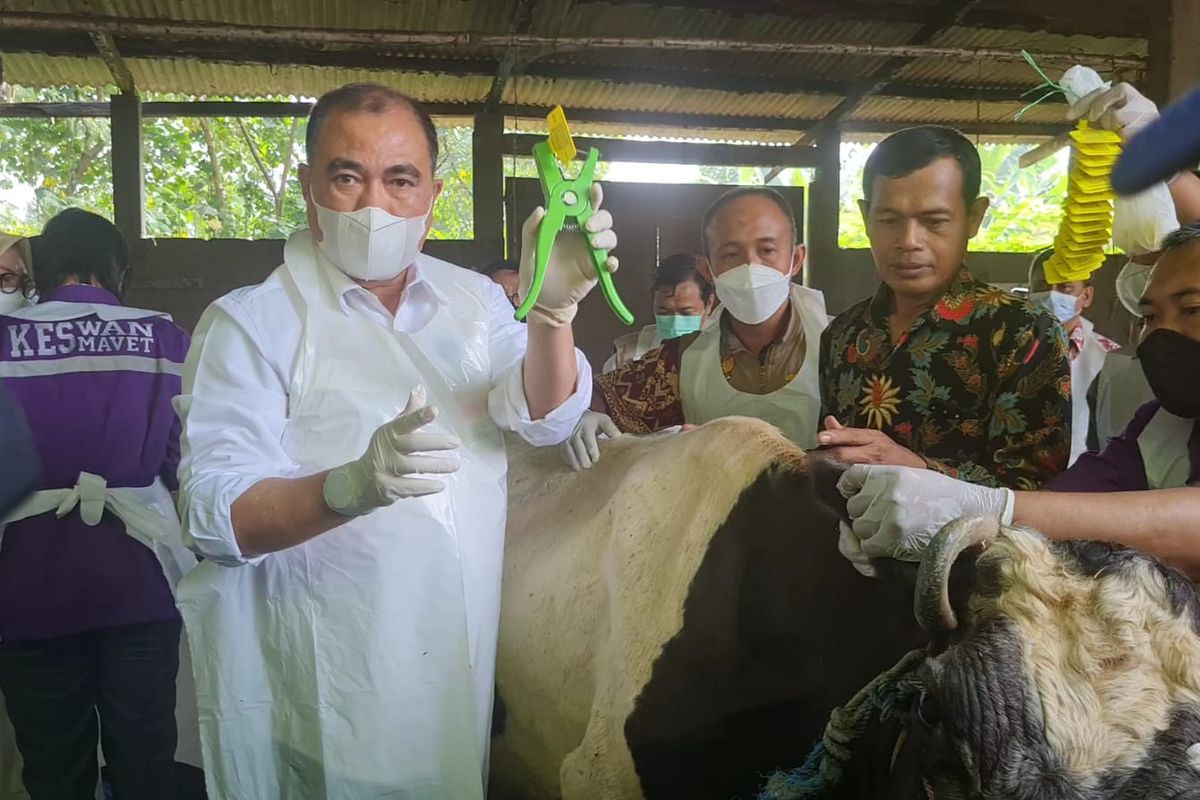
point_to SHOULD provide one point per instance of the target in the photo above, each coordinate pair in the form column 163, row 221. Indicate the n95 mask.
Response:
column 753, row 292
column 370, row 244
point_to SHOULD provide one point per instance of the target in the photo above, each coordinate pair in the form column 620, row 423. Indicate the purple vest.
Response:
column 95, row 381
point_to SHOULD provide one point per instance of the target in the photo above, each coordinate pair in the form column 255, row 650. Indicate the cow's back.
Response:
column 678, row 621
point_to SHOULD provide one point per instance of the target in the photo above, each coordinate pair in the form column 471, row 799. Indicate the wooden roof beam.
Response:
column 107, row 47
column 244, row 108
column 178, row 32
column 1124, row 21
column 952, row 12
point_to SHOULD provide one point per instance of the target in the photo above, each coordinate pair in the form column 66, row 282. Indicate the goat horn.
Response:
column 932, row 605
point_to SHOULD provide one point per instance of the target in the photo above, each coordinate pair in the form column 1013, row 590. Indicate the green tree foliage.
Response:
column 47, row 165
column 1026, row 204
column 205, row 177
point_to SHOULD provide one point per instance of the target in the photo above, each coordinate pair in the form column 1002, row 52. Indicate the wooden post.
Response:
column 487, row 148
column 1174, row 66
column 127, row 177
column 822, row 228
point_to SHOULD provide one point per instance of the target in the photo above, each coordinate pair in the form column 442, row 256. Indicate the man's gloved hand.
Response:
column 851, row 549
column 582, row 450
column 1121, row 109
column 385, row 473
column 571, row 273
column 895, row 511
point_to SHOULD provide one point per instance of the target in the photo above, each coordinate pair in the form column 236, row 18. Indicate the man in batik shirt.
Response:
column 939, row 370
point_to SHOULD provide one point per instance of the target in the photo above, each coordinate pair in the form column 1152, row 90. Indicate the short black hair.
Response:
column 500, row 266
column 1181, row 237
column 906, row 151
column 370, row 97
column 748, row 191
column 681, row 268
column 82, row 246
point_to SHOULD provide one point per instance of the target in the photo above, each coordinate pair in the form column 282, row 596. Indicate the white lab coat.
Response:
column 795, row 409
column 1085, row 367
column 360, row 664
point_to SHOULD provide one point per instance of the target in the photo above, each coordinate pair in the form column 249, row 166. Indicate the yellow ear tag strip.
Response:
column 561, row 142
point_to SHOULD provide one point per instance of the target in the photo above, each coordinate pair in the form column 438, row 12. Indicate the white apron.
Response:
column 360, row 664
column 1084, row 369
column 150, row 517
column 1121, row 389
column 794, row 409
column 1164, row 448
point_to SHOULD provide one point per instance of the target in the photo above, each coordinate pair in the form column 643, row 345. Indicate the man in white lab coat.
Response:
column 343, row 477
column 1088, row 348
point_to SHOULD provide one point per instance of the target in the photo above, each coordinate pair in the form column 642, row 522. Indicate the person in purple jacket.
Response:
column 89, row 630
column 1142, row 490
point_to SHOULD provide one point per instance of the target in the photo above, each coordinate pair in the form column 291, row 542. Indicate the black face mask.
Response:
column 1171, row 362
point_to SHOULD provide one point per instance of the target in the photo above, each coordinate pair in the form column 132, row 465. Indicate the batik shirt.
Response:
column 979, row 385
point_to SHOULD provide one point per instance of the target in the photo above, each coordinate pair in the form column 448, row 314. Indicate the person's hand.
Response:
column 850, row 546
column 865, row 446
column 895, row 511
column 582, row 449
column 385, row 472
column 571, row 272
column 1121, row 109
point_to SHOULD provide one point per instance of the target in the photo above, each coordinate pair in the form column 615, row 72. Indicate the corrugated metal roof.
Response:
column 237, row 80
column 646, row 97
column 582, row 18
column 897, row 109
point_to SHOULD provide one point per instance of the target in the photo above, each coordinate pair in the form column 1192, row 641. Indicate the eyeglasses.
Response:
column 13, row 283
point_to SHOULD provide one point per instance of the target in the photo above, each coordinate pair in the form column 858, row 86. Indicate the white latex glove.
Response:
column 1122, row 109
column 895, row 511
column 582, row 450
column 571, row 273
column 385, row 472
column 850, row 547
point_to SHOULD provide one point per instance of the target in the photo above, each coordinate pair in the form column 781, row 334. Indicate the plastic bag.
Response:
column 1141, row 221
column 1081, row 84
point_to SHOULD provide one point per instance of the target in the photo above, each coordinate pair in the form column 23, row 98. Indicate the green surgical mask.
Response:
column 672, row 326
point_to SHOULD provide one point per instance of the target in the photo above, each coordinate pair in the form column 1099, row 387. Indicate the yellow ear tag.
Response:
column 561, row 143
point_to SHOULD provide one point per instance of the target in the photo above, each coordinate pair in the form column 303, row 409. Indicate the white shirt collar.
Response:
column 420, row 301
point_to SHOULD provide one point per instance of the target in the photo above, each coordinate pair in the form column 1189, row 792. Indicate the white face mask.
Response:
column 12, row 302
column 370, row 244
column 1131, row 284
column 1064, row 307
column 753, row 292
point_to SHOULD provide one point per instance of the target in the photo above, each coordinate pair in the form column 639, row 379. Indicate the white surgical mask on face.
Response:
column 370, row 244
column 1063, row 306
column 12, row 302
column 753, row 292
